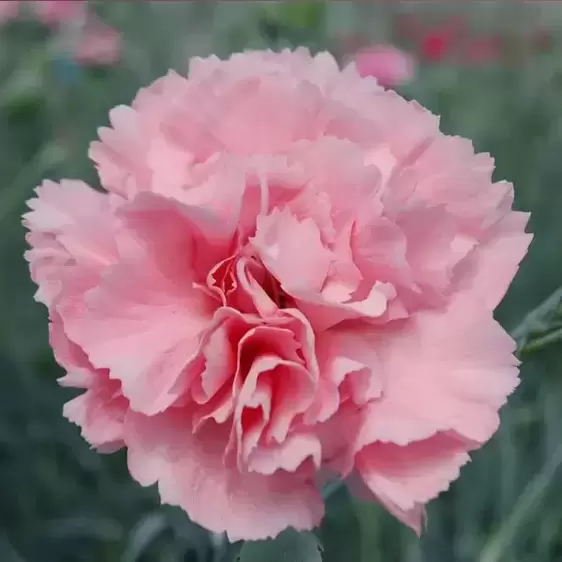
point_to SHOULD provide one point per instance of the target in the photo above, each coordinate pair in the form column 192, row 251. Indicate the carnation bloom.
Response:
column 389, row 65
column 291, row 275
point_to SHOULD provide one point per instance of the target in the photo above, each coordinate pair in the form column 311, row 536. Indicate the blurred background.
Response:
column 492, row 70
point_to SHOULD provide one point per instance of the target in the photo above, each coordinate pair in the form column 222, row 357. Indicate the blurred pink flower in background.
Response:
column 49, row 12
column 389, row 65
column 53, row 12
column 97, row 44
column 79, row 33
column 292, row 273
column 8, row 10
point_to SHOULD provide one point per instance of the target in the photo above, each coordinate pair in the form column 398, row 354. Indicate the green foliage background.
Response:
column 60, row 501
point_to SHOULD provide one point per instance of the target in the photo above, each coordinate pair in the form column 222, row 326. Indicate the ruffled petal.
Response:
column 143, row 320
column 405, row 478
column 191, row 473
column 445, row 370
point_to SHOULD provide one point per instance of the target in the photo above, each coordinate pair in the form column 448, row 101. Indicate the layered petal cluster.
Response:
column 291, row 273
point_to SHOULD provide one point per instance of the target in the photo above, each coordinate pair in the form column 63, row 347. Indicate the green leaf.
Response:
column 289, row 546
column 340, row 532
column 143, row 535
column 294, row 24
column 547, row 339
column 303, row 15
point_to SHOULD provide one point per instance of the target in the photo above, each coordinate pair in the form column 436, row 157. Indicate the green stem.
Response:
column 331, row 488
column 535, row 323
column 543, row 341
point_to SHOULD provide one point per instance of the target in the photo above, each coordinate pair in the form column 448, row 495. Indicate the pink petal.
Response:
column 121, row 154
column 405, row 478
column 380, row 250
column 430, row 249
column 145, row 332
column 492, row 265
column 100, row 413
column 445, row 370
column 339, row 302
column 287, row 456
column 290, row 389
column 292, row 251
column 251, row 296
column 72, row 233
column 345, row 356
column 338, row 437
column 191, row 473
column 60, row 205
column 80, row 373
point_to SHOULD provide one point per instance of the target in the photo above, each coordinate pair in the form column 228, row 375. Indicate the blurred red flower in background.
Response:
column 482, row 50
column 442, row 40
column 433, row 42
column 452, row 39
column 435, row 46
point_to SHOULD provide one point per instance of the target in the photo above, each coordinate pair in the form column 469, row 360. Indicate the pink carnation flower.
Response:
column 389, row 65
column 290, row 275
